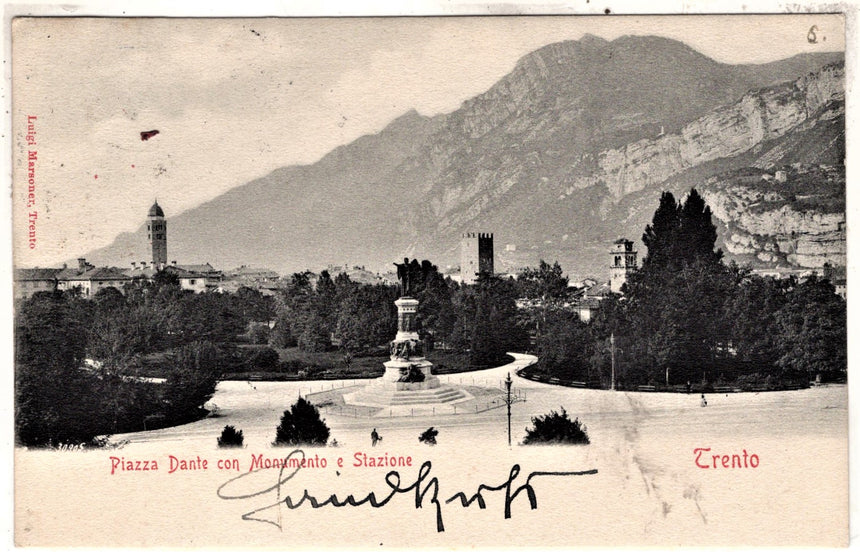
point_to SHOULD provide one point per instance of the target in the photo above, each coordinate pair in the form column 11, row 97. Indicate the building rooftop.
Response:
column 600, row 290
column 93, row 273
column 31, row 274
column 206, row 269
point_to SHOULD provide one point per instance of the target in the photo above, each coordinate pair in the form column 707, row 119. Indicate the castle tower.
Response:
column 623, row 263
column 476, row 256
column 156, row 233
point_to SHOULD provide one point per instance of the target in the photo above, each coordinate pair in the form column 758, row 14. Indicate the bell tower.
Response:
column 156, row 232
column 623, row 263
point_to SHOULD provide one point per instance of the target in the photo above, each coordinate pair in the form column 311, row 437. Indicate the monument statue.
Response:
column 404, row 277
column 408, row 379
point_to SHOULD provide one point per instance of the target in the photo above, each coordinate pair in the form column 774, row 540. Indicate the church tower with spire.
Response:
column 156, row 231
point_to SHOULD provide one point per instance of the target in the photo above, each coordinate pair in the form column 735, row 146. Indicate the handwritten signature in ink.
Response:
column 425, row 488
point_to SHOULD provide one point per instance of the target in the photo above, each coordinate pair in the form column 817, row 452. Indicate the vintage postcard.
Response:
column 544, row 281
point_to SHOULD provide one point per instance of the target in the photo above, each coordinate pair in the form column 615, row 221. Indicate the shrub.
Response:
column 301, row 425
column 230, row 438
column 265, row 360
column 555, row 428
column 429, row 436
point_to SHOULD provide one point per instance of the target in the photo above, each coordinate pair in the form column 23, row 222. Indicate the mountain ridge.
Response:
column 490, row 165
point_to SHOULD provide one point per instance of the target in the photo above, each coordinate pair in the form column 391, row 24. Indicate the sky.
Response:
column 234, row 99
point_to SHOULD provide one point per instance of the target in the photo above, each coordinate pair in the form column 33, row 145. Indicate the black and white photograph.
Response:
column 430, row 282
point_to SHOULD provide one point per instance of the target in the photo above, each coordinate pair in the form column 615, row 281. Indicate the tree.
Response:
column 301, row 425
column 676, row 303
column 564, row 349
column 812, row 336
column 281, row 335
column 252, row 305
column 56, row 399
column 194, row 374
column 314, row 336
column 366, row 318
column 680, row 234
column 230, row 438
column 546, row 288
column 697, row 233
column 660, row 236
column 545, row 283
column 50, row 331
column 325, row 299
column 556, row 429
column 165, row 278
column 436, row 314
column 258, row 333
column 494, row 322
column 109, row 298
column 118, row 333
column 751, row 310
column 304, row 315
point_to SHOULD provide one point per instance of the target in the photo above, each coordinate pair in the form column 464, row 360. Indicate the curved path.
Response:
column 493, row 377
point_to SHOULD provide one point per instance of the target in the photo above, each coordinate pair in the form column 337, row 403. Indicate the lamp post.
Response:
column 508, row 402
column 612, row 350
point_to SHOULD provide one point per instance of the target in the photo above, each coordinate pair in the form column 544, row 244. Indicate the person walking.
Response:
column 704, row 400
column 374, row 437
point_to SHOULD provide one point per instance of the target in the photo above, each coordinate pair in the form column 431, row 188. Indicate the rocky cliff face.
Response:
column 726, row 132
column 794, row 215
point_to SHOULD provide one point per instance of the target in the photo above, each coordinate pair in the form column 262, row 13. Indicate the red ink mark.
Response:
column 96, row 176
column 147, row 134
column 132, row 166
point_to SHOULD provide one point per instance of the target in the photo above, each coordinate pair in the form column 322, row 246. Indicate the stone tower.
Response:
column 623, row 263
column 156, row 232
column 476, row 256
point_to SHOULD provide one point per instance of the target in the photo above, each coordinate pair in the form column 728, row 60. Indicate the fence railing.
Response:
column 468, row 407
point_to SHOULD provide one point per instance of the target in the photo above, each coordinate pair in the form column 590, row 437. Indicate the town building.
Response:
column 588, row 302
column 31, row 280
column 197, row 278
column 89, row 279
column 476, row 256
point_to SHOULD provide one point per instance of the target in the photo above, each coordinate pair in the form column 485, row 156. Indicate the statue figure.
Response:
column 406, row 349
column 411, row 374
column 403, row 277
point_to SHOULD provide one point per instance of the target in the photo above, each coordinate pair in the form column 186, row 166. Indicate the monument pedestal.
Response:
column 397, row 369
column 408, row 378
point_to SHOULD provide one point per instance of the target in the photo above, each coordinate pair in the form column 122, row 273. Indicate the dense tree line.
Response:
column 78, row 361
column 361, row 318
column 686, row 316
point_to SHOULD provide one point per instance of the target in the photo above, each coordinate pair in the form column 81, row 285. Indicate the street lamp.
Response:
column 508, row 402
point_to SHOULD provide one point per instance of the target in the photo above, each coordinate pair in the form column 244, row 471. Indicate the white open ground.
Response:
column 648, row 489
